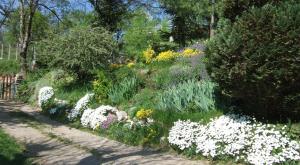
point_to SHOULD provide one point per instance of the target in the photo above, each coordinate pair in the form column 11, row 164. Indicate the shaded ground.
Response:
column 50, row 142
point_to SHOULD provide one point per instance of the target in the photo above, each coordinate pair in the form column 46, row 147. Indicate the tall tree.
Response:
column 27, row 10
column 109, row 12
column 190, row 19
column 6, row 8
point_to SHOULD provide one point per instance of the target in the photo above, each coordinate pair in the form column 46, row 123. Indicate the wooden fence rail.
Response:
column 8, row 87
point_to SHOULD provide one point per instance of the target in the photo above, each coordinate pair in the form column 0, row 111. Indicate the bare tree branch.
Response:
column 52, row 11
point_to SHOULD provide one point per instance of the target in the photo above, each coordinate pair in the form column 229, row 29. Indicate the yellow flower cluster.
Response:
column 189, row 52
column 166, row 56
column 130, row 64
column 148, row 54
column 144, row 113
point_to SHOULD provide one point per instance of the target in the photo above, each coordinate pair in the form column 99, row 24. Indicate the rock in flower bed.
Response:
column 236, row 136
column 102, row 116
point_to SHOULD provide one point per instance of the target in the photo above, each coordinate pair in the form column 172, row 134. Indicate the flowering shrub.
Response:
column 237, row 136
column 148, row 54
column 80, row 106
column 102, row 116
column 46, row 94
column 189, row 52
column 166, row 56
column 144, row 114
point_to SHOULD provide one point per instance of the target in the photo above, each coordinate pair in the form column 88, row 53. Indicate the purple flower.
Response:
column 111, row 118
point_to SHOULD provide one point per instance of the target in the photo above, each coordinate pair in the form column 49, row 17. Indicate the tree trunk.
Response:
column 26, row 19
column 212, row 19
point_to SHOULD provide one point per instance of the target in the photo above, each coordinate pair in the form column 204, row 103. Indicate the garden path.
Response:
column 50, row 142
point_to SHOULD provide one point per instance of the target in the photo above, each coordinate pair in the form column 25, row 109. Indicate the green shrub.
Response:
column 123, row 91
column 256, row 60
column 101, row 86
column 79, row 51
column 9, row 66
column 191, row 95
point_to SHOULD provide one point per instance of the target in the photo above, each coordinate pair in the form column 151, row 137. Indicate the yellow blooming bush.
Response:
column 148, row 54
column 144, row 114
column 189, row 52
column 166, row 55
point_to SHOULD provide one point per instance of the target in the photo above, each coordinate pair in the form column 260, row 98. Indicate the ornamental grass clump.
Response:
column 123, row 90
column 236, row 136
column 198, row 94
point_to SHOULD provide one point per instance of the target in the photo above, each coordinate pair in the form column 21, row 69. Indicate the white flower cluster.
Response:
column 45, row 94
column 93, row 118
column 237, row 136
column 80, row 106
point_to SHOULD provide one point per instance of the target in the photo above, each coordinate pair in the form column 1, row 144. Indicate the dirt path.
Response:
column 50, row 142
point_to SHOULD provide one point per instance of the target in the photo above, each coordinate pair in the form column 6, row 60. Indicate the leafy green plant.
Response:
column 81, row 50
column 123, row 91
column 190, row 94
column 257, row 64
column 101, row 86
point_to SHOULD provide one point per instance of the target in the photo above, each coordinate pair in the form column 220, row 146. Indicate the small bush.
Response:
column 80, row 50
column 256, row 60
column 192, row 95
column 101, row 86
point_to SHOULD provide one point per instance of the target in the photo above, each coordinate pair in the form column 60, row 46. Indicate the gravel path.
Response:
column 50, row 142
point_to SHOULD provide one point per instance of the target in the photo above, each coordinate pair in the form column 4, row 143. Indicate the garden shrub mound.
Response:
column 256, row 60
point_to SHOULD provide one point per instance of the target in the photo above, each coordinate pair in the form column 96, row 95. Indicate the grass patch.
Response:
column 11, row 153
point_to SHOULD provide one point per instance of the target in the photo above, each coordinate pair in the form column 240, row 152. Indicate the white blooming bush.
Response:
column 80, row 106
column 46, row 95
column 93, row 118
column 237, row 136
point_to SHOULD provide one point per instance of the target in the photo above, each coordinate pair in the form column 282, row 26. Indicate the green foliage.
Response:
column 190, row 95
column 124, row 90
column 11, row 153
column 137, row 135
column 190, row 19
column 257, row 63
column 145, row 98
column 109, row 13
column 80, row 50
column 9, row 66
column 101, row 86
column 231, row 9
column 140, row 33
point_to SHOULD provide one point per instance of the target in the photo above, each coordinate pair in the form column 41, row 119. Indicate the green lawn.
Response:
column 11, row 153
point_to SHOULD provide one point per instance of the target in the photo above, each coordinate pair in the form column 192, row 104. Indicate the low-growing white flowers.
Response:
column 45, row 94
column 80, row 106
column 93, row 118
column 238, row 136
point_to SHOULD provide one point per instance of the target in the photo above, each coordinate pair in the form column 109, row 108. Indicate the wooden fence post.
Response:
column 2, row 51
column 9, row 51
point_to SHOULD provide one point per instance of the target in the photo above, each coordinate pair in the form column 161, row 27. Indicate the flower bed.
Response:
column 102, row 116
column 236, row 136
column 80, row 106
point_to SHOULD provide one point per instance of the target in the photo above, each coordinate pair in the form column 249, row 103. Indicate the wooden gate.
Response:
column 7, row 87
